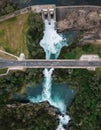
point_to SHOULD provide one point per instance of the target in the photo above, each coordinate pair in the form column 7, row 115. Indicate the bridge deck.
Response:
column 49, row 63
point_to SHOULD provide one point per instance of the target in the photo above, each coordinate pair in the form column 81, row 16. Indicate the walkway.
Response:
column 9, row 54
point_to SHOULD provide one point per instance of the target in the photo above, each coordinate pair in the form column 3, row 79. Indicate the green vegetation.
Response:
column 13, row 35
column 22, row 34
column 7, row 7
column 75, row 51
column 2, row 71
column 34, row 35
column 21, row 117
column 86, row 108
column 16, row 82
column 26, row 117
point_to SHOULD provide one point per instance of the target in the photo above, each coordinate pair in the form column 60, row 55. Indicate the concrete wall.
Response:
column 62, row 11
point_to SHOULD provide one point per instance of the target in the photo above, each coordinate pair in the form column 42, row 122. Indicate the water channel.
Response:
column 58, row 95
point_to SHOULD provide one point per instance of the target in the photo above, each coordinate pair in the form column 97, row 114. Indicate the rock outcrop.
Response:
column 87, row 19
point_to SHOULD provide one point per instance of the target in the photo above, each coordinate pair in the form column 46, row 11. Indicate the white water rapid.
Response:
column 52, row 43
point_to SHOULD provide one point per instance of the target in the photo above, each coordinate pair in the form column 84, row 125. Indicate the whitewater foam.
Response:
column 64, row 119
column 51, row 42
column 46, row 94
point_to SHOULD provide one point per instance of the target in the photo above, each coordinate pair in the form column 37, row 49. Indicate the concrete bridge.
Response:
column 85, row 61
column 15, row 64
column 90, row 62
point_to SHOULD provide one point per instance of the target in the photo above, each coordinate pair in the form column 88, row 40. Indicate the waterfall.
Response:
column 46, row 94
column 52, row 43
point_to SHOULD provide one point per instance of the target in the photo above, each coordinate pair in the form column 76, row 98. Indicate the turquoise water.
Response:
column 59, row 92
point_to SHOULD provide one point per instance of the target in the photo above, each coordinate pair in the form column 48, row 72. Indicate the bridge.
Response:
column 49, row 64
column 90, row 62
column 85, row 61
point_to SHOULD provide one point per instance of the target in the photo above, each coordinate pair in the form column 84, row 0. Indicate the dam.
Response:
column 58, row 13
column 83, row 17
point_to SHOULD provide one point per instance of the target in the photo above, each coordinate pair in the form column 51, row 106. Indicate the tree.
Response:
column 9, row 8
column 34, row 35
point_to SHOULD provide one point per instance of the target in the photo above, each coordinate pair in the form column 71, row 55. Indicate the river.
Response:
column 58, row 95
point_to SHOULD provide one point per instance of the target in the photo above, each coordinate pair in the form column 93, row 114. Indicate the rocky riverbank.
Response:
column 88, row 20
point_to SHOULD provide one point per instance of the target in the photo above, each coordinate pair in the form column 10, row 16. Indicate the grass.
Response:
column 77, row 51
column 5, row 56
column 13, row 35
column 3, row 71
